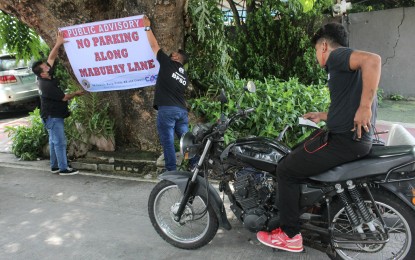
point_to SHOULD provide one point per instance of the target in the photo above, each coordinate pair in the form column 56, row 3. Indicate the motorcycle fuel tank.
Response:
column 259, row 152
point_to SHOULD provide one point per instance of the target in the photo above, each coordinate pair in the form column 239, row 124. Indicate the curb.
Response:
column 123, row 169
column 119, row 164
column 111, row 176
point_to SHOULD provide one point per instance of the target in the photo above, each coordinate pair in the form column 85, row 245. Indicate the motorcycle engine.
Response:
column 254, row 191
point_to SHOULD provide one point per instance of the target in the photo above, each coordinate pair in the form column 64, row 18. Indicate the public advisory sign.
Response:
column 111, row 55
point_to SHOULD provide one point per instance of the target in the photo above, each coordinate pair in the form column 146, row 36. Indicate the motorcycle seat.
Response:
column 385, row 151
column 379, row 161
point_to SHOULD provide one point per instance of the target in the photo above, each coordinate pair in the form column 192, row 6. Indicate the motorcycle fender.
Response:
column 182, row 179
column 402, row 189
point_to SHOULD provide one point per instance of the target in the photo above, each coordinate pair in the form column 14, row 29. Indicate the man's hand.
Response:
column 54, row 52
column 79, row 93
column 72, row 95
column 316, row 117
column 59, row 38
column 146, row 21
column 150, row 36
column 362, row 120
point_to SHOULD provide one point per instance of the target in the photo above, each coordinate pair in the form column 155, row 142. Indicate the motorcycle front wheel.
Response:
column 399, row 220
column 198, row 224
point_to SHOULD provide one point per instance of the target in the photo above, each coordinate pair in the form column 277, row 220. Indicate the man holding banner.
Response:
column 169, row 100
column 54, row 109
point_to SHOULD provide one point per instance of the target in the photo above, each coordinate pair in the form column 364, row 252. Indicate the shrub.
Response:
column 28, row 141
column 277, row 104
column 396, row 97
column 380, row 94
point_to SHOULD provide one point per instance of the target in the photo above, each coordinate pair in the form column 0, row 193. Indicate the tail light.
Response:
column 6, row 79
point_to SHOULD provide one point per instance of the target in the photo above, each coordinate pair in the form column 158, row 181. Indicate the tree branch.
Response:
column 235, row 13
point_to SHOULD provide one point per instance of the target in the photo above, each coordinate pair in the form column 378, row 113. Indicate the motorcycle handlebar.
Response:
column 221, row 128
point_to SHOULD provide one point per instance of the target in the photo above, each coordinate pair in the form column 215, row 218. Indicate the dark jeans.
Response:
column 171, row 120
column 57, row 142
column 312, row 157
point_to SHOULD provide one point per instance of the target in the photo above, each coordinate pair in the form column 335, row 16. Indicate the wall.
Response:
column 391, row 34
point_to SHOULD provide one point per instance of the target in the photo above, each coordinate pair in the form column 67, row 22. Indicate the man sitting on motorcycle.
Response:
column 353, row 78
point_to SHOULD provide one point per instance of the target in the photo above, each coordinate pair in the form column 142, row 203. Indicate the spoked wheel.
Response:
column 197, row 226
column 400, row 223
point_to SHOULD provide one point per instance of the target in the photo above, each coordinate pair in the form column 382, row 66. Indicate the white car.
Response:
column 18, row 86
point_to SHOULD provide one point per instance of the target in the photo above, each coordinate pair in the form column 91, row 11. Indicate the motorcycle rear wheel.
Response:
column 198, row 224
column 400, row 221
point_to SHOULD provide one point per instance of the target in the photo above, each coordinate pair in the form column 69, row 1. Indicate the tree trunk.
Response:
column 132, row 109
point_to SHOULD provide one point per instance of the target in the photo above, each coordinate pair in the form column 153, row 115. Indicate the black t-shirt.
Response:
column 345, row 87
column 51, row 98
column 171, row 83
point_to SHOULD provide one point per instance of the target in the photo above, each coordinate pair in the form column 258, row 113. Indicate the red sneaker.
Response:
column 278, row 239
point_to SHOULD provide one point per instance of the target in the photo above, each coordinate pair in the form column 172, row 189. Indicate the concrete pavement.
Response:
column 47, row 216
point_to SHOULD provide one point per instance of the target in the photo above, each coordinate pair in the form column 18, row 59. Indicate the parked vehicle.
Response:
column 364, row 209
column 18, row 86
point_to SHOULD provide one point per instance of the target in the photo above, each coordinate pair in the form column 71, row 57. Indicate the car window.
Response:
column 9, row 63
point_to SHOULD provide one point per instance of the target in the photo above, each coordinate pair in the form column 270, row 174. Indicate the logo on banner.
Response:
column 85, row 84
column 152, row 78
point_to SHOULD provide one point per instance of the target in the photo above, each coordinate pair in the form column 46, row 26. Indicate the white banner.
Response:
column 111, row 55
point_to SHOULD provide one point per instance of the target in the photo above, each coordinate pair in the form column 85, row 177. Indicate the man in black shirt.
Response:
column 353, row 78
column 54, row 109
column 169, row 98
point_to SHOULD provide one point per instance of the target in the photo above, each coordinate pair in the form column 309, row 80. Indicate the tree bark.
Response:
column 131, row 109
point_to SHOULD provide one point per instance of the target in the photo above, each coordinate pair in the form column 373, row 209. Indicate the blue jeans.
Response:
column 57, row 142
column 171, row 120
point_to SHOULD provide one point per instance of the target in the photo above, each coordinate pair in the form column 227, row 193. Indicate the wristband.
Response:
column 147, row 28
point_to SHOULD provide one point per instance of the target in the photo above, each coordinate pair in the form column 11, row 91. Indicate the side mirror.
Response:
column 250, row 86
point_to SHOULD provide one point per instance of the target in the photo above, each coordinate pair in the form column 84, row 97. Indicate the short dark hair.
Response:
column 334, row 32
column 184, row 55
column 36, row 68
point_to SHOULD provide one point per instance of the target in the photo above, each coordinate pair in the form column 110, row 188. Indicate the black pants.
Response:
column 318, row 153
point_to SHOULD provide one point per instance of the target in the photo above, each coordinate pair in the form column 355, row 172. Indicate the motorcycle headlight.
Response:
column 187, row 146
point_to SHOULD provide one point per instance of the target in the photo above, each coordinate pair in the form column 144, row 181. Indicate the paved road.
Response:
column 47, row 216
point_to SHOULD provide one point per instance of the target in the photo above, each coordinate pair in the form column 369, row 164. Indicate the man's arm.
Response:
column 151, row 38
column 370, row 66
column 54, row 52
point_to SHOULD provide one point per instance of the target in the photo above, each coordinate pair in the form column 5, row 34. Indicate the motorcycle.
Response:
column 359, row 210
